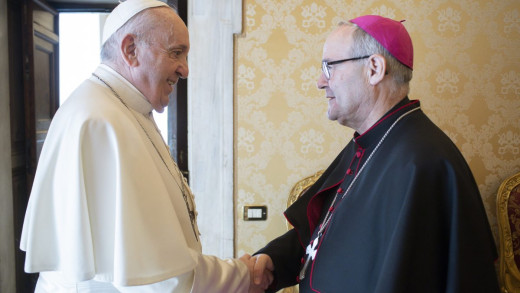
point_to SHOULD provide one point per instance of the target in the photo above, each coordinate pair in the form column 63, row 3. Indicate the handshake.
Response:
column 261, row 269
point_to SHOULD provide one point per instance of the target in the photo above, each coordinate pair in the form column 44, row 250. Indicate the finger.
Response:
column 259, row 268
column 268, row 279
column 245, row 257
column 262, row 260
column 269, row 265
column 263, row 284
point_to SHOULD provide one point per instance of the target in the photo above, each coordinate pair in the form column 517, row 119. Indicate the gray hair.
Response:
column 365, row 44
column 142, row 25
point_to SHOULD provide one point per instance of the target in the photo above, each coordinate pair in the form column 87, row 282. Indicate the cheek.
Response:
column 339, row 94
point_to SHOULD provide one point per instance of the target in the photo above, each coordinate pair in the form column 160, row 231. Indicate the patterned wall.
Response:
column 467, row 76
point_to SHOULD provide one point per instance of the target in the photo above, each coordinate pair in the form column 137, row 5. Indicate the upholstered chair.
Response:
column 508, row 218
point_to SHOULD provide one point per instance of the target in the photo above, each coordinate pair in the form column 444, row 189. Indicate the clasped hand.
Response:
column 261, row 269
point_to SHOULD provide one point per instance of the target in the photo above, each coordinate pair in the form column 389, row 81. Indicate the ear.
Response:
column 129, row 50
column 377, row 69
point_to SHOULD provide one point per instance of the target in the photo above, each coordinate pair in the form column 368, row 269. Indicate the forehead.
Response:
column 339, row 40
column 170, row 28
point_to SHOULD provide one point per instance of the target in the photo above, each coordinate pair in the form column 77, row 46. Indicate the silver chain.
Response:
column 328, row 215
column 181, row 185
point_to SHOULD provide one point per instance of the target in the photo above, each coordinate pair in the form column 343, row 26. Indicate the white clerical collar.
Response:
column 126, row 91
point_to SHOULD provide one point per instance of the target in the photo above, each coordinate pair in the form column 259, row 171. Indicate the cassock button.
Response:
column 349, row 171
column 358, row 154
column 340, row 190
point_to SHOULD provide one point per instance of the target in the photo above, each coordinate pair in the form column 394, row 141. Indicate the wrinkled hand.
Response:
column 260, row 270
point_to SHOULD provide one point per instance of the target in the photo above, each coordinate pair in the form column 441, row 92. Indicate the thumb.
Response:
column 263, row 262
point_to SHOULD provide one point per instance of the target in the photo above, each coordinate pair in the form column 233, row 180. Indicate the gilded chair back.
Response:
column 508, row 218
column 300, row 187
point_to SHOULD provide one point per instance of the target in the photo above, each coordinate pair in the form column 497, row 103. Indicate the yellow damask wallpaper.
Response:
column 467, row 76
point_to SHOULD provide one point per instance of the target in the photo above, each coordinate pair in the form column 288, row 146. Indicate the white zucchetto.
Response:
column 123, row 12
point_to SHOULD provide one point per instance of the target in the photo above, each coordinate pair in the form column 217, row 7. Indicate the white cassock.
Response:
column 106, row 212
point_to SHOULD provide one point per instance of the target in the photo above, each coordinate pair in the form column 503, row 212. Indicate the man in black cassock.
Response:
column 398, row 210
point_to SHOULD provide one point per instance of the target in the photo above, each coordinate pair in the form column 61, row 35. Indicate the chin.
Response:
column 163, row 104
column 159, row 108
column 331, row 115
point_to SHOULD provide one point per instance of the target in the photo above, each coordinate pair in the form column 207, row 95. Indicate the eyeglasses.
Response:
column 325, row 65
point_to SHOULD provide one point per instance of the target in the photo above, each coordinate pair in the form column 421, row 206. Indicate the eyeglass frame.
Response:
column 325, row 64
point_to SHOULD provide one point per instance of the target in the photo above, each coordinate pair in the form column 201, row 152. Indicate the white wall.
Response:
column 7, row 269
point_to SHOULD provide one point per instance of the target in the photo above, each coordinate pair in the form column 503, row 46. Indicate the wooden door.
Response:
column 33, row 57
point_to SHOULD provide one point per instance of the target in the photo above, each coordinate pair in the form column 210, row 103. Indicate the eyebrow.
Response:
column 181, row 47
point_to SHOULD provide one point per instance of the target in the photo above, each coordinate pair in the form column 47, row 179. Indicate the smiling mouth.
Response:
column 171, row 82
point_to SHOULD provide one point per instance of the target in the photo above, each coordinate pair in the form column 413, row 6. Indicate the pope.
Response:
column 109, row 210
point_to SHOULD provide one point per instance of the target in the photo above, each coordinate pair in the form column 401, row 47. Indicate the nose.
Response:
column 322, row 82
column 183, row 70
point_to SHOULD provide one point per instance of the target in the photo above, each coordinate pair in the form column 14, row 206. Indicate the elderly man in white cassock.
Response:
column 109, row 210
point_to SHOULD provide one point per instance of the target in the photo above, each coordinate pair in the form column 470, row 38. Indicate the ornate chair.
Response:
column 298, row 189
column 508, row 218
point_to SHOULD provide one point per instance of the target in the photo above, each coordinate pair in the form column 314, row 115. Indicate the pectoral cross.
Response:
column 311, row 254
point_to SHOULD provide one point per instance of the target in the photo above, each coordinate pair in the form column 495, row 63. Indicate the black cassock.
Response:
column 412, row 221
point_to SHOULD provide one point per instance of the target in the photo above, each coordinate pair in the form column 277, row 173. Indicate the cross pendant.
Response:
column 311, row 254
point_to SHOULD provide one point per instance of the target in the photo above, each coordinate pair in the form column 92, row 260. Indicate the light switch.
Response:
column 255, row 213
